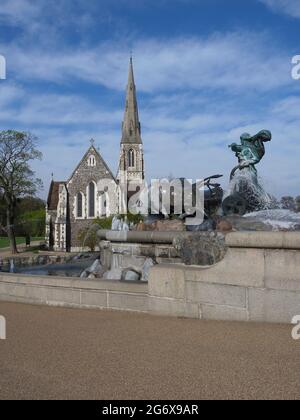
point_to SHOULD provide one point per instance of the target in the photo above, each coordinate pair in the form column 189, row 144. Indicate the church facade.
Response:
column 92, row 191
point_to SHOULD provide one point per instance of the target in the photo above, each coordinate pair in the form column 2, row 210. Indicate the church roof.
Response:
column 53, row 196
column 92, row 149
column 131, row 128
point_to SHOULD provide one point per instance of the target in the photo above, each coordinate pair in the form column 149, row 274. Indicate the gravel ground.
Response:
column 58, row 353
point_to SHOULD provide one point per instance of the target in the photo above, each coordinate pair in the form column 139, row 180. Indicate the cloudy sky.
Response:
column 206, row 71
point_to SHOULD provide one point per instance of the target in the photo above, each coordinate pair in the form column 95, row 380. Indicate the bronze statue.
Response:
column 246, row 194
column 251, row 150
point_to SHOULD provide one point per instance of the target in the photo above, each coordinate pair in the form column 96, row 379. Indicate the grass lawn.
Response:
column 4, row 242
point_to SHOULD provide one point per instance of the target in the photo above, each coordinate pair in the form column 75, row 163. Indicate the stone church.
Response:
column 74, row 204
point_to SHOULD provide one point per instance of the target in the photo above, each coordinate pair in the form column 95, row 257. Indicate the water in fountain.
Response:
column 277, row 219
column 245, row 183
column 12, row 266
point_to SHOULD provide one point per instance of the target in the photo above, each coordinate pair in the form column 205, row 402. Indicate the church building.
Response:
column 92, row 191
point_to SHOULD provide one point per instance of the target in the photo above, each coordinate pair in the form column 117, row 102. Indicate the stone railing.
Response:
column 73, row 292
column 258, row 280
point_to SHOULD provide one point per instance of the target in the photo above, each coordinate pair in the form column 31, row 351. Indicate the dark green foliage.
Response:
column 17, row 179
column 31, row 223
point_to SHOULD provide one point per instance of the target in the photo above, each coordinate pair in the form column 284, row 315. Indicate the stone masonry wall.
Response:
column 248, row 285
column 79, row 182
column 258, row 280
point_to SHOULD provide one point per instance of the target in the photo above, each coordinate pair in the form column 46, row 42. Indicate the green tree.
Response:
column 31, row 223
column 298, row 204
column 17, row 179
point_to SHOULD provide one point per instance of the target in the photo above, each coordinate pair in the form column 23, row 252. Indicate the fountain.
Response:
column 245, row 193
column 12, row 266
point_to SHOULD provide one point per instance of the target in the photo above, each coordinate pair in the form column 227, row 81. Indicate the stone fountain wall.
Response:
column 258, row 280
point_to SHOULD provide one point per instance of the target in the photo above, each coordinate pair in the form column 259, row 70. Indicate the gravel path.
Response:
column 57, row 353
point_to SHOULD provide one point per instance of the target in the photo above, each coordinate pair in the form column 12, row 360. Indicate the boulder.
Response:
column 170, row 226
column 114, row 274
column 146, row 269
column 204, row 249
column 207, row 226
column 146, row 227
column 96, row 269
column 130, row 275
column 224, row 226
column 247, row 224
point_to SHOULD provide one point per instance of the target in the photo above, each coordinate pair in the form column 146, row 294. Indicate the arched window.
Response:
column 91, row 160
column 79, row 205
column 131, row 158
column 92, row 192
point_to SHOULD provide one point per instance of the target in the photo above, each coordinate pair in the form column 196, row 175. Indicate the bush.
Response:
column 104, row 223
column 134, row 218
column 88, row 237
column 31, row 223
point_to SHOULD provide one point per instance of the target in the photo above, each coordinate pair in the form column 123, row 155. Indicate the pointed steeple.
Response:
column 131, row 128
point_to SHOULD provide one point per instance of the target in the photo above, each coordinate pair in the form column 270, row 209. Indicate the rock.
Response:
column 247, row 224
column 170, row 226
column 202, row 249
column 84, row 274
column 224, row 226
column 96, row 268
column 130, row 275
column 141, row 227
column 115, row 223
column 145, row 227
column 114, row 274
column 146, row 269
column 78, row 257
column 207, row 226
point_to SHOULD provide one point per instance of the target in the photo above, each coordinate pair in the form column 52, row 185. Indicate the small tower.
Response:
column 131, row 166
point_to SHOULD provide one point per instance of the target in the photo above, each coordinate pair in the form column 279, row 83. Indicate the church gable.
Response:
column 91, row 167
column 87, row 200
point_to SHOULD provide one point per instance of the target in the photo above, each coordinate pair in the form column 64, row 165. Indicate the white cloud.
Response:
column 235, row 62
column 193, row 133
column 195, row 103
column 19, row 11
column 289, row 7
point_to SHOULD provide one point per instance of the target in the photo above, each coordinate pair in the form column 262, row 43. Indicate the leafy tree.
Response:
column 298, row 204
column 31, row 223
column 28, row 204
column 17, row 180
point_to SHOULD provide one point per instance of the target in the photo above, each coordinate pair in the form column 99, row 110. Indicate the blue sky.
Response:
column 206, row 71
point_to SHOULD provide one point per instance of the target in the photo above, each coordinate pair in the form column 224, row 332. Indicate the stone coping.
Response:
column 258, row 239
column 73, row 283
column 267, row 240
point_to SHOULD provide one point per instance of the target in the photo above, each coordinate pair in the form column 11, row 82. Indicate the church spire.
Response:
column 131, row 128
